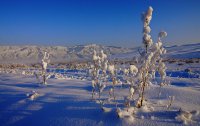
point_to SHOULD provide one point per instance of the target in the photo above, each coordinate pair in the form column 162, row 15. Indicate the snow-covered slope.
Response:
column 32, row 54
column 176, row 52
column 184, row 51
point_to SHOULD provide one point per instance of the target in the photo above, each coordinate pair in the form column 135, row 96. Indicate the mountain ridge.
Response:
column 33, row 54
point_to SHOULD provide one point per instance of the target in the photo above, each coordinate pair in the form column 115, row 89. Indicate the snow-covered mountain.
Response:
column 33, row 54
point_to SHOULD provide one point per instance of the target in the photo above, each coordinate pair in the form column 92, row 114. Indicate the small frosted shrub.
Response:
column 98, row 72
column 44, row 63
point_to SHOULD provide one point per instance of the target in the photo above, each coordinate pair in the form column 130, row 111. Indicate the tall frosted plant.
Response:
column 151, row 61
column 99, row 76
column 45, row 61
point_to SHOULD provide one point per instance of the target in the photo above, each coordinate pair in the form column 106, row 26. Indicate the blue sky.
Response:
column 107, row 22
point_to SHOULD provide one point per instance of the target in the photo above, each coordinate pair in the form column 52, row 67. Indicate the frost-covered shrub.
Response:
column 112, row 74
column 44, row 62
column 151, row 60
column 98, row 72
column 142, row 73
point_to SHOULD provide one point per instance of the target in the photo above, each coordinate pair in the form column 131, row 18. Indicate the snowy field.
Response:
column 66, row 100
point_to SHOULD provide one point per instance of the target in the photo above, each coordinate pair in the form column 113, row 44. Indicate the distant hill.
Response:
column 33, row 54
column 184, row 51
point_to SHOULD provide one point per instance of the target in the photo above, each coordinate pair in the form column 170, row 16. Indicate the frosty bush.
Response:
column 99, row 76
column 151, row 61
column 44, row 62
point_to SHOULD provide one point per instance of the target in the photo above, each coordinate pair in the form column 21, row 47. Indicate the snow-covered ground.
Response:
column 67, row 101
